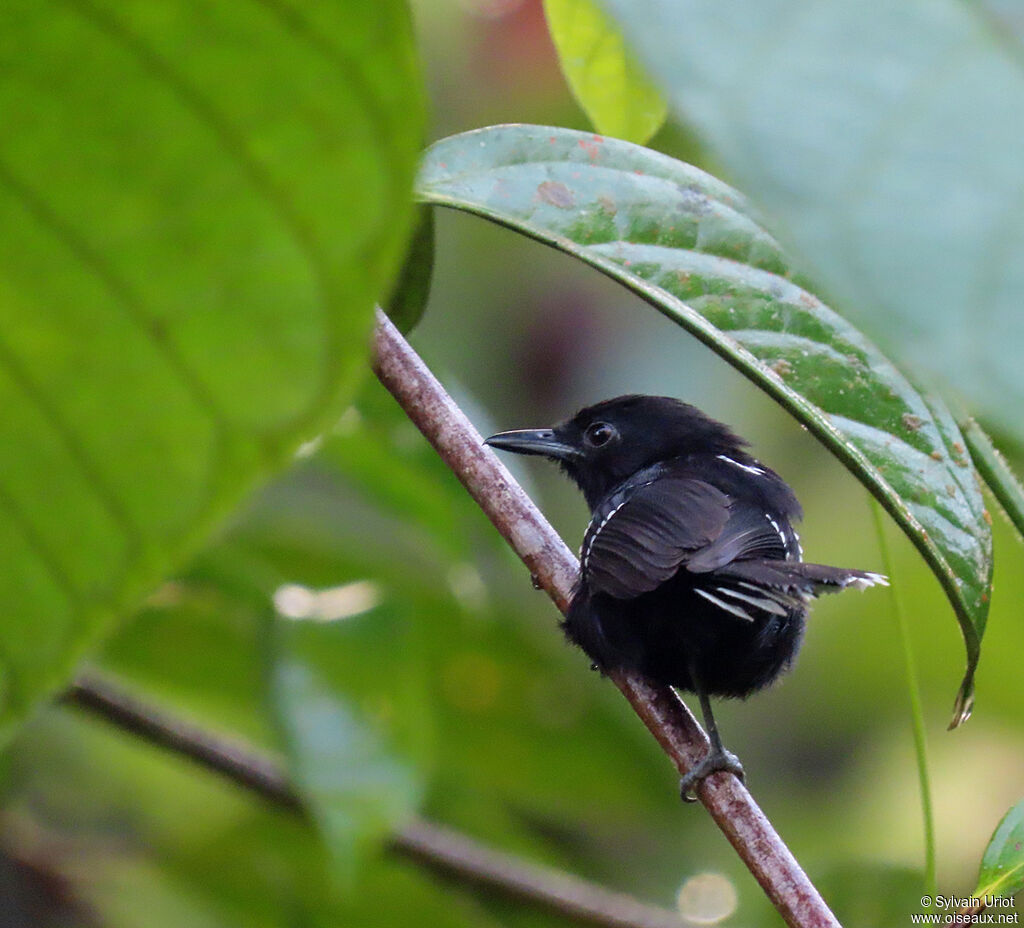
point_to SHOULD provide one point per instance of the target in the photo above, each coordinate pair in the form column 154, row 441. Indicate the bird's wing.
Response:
column 750, row 532
column 638, row 539
column 642, row 536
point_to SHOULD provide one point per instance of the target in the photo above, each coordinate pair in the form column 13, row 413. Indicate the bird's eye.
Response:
column 598, row 434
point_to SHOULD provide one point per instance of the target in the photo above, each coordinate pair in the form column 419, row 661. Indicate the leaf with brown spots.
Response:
column 695, row 250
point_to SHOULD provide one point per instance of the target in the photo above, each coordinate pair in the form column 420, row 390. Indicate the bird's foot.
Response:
column 715, row 760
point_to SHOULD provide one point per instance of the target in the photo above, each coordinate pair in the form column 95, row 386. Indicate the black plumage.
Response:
column 691, row 573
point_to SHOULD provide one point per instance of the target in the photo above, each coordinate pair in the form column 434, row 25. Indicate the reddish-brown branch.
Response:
column 554, row 569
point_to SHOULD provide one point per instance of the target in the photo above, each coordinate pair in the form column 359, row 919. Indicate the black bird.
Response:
column 690, row 571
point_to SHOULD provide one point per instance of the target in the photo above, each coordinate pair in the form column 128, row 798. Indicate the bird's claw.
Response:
column 712, row 762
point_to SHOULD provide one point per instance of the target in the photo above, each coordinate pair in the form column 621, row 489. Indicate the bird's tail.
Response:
column 794, row 579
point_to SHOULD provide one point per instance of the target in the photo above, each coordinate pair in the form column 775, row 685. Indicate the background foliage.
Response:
column 198, row 214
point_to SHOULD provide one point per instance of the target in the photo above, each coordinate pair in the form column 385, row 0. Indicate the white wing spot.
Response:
column 869, row 579
column 761, row 602
column 778, row 529
column 734, row 610
column 749, row 468
column 597, row 531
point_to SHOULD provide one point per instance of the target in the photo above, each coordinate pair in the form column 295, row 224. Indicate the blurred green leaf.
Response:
column 1007, row 17
column 409, row 298
column 199, row 208
column 695, row 250
column 996, row 472
column 1002, row 864
column 92, row 804
column 610, row 85
column 198, row 645
column 883, row 140
column 346, row 753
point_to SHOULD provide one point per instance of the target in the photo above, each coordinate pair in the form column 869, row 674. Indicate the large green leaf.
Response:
column 883, row 139
column 198, row 208
column 609, row 84
column 694, row 249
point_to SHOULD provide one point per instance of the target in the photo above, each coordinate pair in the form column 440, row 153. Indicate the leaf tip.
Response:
column 964, row 704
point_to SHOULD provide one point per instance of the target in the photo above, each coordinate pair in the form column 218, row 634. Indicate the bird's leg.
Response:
column 717, row 758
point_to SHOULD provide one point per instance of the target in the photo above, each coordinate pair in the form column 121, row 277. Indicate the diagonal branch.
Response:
column 554, row 569
column 432, row 845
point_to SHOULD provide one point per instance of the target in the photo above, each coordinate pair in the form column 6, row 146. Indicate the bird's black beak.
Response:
column 534, row 441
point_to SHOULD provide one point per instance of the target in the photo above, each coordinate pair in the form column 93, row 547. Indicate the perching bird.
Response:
column 690, row 571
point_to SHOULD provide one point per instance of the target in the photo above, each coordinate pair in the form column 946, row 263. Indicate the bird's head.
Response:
column 605, row 444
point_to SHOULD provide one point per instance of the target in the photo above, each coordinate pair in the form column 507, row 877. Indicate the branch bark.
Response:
column 435, row 846
column 554, row 569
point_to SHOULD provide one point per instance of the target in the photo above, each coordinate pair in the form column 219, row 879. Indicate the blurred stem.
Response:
column 554, row 569
column 916, row 709
column 440, row 848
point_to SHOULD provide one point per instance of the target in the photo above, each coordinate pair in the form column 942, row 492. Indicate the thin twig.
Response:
column 440, row 848
column 452, row 852
column 101, row 696
column 554, row 568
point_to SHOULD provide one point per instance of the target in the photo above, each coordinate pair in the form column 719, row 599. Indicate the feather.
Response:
column 640, row 538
